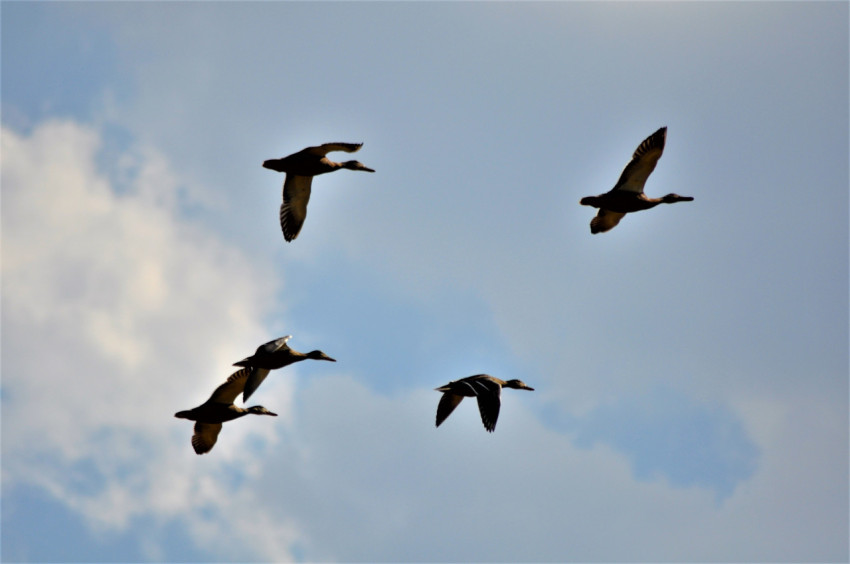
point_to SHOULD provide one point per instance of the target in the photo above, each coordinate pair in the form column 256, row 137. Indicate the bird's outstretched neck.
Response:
column 354, row 165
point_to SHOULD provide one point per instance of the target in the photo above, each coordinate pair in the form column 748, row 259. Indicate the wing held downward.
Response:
column 293, row 210
column 253, row 382
column 447, row 404
column 605, row 220
column 489, row 404
column 206, row 434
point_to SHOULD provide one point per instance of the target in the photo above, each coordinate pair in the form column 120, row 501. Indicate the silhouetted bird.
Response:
column 627, row 196
column 485, row 388
column 271, row 356
column 300, row 168
column 210, row 415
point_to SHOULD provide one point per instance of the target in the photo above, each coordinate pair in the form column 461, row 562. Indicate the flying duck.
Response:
column 271, row 356
column 627, row 195
column 485, row 388
column 209, row 416
column 300, row 168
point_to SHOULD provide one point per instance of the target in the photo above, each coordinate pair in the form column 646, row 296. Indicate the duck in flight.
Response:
column 210, row 415
column 300, row 168
column 627, row 195
column 485, row 388
column 271, row 356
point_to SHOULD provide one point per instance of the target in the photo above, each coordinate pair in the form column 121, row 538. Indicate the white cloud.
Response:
column 117, row 312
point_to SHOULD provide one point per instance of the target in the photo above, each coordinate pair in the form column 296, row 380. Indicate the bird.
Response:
column 210, row 415
column 627, row 195
column 486, row 388
column 271, row 356
column 300, row 168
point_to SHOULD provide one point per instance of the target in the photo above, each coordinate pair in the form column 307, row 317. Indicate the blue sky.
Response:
column 690, row 367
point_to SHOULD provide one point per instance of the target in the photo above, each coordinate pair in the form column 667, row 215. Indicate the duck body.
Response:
column 621, row 202
column 272, row 356
column 300, row 168
column 485, row 388
column 627, row 195
column 213, row 413
column 219, row 409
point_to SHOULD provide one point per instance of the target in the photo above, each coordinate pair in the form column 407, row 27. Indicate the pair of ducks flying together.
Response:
column 219, row 408
column 210, row 415
column 626, row 197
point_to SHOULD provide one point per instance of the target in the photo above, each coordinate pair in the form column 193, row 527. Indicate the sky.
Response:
column 690, row 366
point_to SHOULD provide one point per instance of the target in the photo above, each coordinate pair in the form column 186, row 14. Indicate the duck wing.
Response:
column 293, row 210
column 274, row 346
column 326, row 148
column 605, row 220
column 253, row 381
column 265, row 353
column 643, row 163
column 489, row 402
column 447, row 404
column 206, row 434
column 230, row 390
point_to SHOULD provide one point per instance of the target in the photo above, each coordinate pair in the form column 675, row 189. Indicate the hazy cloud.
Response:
column 116, row 314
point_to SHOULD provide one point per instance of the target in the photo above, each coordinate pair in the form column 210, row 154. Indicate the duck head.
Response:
column 319, row 355
column 260, row 410
column 590, row 201
column 673, row 198
column 352, row 165
column 517, row 385
column 278, row 165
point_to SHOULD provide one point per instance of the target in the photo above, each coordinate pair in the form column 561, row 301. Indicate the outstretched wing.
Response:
column 253, row 382
column 643, row 162
column 276, row 345
column 489, row 395
column 605, row 220
column 206, row 434
column 293, row 210
column 230, row 390
column 326, row 148
column 447, row 404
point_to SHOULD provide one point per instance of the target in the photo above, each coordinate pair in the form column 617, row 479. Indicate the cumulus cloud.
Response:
column 118, row 312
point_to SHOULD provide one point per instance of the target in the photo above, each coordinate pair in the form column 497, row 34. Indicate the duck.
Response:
column 300, row 168
column 486, row 388
column 271, row 356
column 210, row 415
column 627, row 195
